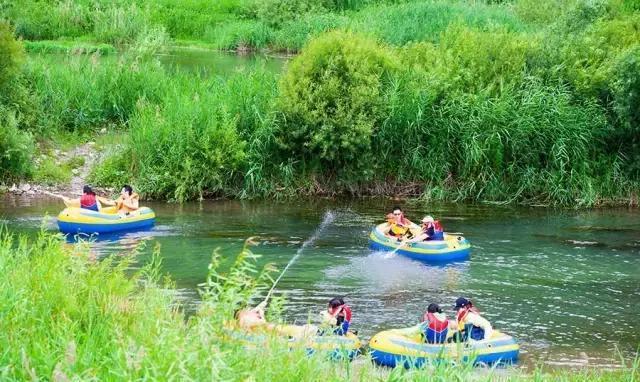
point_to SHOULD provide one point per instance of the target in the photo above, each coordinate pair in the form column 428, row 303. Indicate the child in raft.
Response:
column 337, row 315
column 469, row 323
column 253, row 320
column 434, row 326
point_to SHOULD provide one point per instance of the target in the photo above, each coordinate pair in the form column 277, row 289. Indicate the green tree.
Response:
column 332, row 100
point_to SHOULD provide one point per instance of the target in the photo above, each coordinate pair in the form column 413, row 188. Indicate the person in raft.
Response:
column 338, row 315
column 431, row 230
column 128, row 200
column 470, row 324
column 398, row 225
column 89, row 200
column 435, row 325
column 253, row 320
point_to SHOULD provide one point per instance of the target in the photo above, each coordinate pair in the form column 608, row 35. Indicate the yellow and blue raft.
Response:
column 406, row 347
column 452, row 248
column 80, row 220
column 334, row 346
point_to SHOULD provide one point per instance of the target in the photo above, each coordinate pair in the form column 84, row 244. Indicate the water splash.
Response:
column 329, row 217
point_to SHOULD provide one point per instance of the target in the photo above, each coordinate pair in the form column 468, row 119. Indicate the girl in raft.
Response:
column 435, row 325
column 89, row 200
column 338, row 315
column 470, row 324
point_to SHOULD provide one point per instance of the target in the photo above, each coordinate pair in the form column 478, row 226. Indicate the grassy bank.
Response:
column 66, row 316
column 446, row 100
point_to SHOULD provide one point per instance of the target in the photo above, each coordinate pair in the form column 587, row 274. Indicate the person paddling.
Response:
column 400, row 226
column 469, row 322
column 435, row 325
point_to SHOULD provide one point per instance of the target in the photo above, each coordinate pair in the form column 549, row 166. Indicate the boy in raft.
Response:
column 435, row 325
column 253, row 320
column 338, row 314
column 128, row 200
column 399, row 225
column 470, row 324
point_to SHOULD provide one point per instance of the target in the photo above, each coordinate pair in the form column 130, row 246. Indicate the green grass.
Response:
column 50, row 172
column 73, row 47
column 67, row 316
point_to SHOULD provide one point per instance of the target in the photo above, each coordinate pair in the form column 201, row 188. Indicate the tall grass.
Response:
column 66, row 316
column 84, row 92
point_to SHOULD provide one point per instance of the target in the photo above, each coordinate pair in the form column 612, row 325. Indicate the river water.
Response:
column 565, row 283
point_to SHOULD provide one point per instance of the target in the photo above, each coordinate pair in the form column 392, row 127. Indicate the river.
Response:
column 565, row 283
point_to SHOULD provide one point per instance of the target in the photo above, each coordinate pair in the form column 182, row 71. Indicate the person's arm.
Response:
column 420, row 237
column 105, row 201
column 71, row 202
column 131, row 203
column 481, row 322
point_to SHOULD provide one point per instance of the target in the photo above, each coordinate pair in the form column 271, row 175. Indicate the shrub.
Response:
column 16, row 148
column 331, row 100
column 186, row 149
column 626, row 104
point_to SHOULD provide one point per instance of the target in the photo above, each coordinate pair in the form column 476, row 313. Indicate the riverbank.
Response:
column 442, row 100
column 110, row 324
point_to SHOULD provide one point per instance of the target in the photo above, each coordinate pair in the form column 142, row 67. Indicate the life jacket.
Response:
column 437, row 226
column 343, row 319
column 469, row 330
column 436, row 330
column 398, row 230
column 88, row 201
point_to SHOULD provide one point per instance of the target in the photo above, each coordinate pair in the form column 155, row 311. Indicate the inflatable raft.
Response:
column 452, row 248
column 406, row 347
column 79, row 220
column 336, row 347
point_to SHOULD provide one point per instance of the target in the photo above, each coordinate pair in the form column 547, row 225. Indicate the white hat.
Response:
column 427, row 219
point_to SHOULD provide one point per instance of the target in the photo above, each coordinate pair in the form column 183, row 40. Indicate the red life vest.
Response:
column 345, row 312
column 437, row 226
column 435, row 324
column 462, row 313
column 87, row 200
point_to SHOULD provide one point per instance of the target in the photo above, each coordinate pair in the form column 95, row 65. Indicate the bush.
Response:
column 626, row 104
column 16, row 148
column 332, row 100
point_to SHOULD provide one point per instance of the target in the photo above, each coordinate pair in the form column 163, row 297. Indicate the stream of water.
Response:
column 565, row 283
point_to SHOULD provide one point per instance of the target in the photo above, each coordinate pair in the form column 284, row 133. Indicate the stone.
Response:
column 13, row 188
column 91, row 143
column 25, row 187
column 103, row 130
column 75, row 171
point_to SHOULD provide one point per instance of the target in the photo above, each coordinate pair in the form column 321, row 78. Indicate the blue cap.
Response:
column 461, row 302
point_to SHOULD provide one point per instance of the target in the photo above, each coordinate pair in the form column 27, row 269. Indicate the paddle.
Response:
column 52, row 194
column 392, row 253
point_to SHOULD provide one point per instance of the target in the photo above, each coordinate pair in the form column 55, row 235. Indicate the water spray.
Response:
column 329, row 217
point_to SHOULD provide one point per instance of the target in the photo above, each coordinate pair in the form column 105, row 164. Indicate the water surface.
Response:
column 565, row 283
